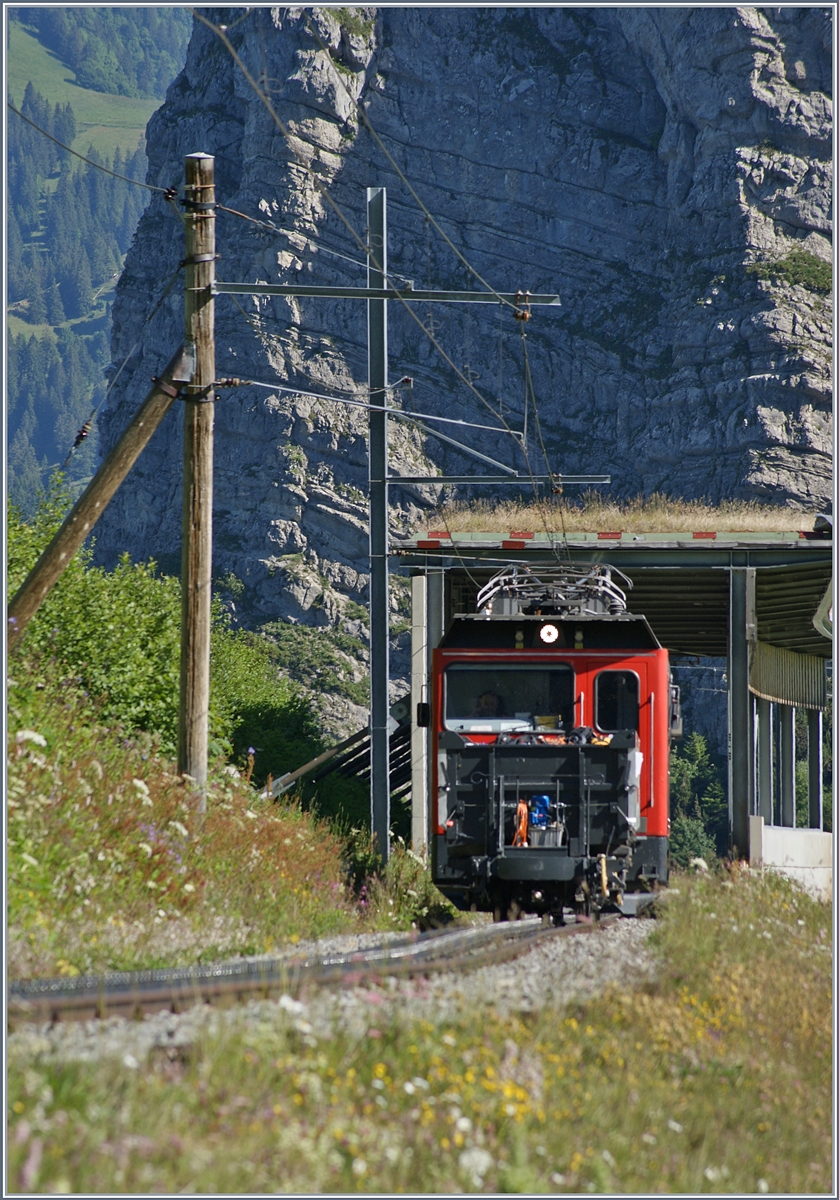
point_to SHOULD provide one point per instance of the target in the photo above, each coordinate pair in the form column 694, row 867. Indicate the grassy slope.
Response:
column 714, row 1079
column 103, row 121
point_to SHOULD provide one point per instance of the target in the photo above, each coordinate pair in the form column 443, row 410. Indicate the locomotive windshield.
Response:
column 498, row 698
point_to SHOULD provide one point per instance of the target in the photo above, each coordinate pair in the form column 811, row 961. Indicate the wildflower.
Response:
column 409, row 1087
column 359, row 1166
column 609, row 1159
column 30, row 735
column 189, row 887
column 762, row 1186
column 289, row 1005
column 712, row 1174
column 449, row 1040
column 675, row 1126
column 130, row 1061
column 649, row 1138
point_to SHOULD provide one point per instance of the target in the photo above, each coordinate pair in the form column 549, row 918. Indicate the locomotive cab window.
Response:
column 499, row 698
column 616, row 697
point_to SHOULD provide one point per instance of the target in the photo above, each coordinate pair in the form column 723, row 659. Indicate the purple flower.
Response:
column 251, row 750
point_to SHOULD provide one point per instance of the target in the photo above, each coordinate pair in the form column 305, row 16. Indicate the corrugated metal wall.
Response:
column 786, row 677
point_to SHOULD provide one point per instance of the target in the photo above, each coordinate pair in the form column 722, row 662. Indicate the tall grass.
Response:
column 593, row 513
column 716, row 1078
column 110, row 866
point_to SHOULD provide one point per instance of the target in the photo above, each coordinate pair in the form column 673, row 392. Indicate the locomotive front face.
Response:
column 549, row 763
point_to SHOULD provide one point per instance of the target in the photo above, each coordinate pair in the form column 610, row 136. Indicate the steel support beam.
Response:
column 786, row 764
column 741, row 776
column 379, row 600
column 505, row 480
column 765, row 758
column 815, row 768
column 419, row 735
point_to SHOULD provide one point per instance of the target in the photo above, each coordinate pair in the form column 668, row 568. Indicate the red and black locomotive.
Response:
column 552, row 711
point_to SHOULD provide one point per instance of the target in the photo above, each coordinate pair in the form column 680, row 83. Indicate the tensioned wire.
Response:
column 324, row 191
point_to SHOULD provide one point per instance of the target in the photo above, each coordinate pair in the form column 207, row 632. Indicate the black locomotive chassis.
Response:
column 475, row 862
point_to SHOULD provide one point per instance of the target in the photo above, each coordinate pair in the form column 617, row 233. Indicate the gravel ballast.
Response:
column 555, row 973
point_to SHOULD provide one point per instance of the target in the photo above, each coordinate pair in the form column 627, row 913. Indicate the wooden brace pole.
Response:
column 95, row 498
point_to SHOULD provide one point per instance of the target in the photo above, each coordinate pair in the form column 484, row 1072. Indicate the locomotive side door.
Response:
column 623, row 700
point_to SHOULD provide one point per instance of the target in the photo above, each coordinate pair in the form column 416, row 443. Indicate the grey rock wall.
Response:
column 654, row 167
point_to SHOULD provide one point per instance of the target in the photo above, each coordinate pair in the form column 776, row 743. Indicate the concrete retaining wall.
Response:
column 805, row 855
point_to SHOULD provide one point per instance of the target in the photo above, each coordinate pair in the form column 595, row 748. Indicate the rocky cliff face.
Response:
column 665, row 171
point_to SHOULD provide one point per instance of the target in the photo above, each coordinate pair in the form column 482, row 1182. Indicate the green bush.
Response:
column 117, row 635
column 798, row 267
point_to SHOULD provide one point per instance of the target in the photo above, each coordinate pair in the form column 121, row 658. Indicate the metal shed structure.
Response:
column 761, row 600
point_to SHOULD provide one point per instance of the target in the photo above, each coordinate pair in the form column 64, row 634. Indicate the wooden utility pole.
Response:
column 95, row 498
column 196, row 560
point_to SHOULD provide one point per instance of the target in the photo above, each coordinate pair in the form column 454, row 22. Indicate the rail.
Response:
column 132, row 994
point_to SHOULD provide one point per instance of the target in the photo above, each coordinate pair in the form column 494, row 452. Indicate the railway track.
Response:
column 134, row 994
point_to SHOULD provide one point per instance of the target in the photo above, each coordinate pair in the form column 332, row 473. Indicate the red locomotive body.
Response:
column 552, row 713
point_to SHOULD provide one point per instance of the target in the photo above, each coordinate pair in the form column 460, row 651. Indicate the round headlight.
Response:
column 549, row 633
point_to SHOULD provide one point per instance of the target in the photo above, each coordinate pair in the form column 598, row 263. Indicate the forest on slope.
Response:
column 69, row 224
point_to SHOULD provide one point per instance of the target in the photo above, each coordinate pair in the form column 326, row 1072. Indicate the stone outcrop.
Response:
column 666, row 171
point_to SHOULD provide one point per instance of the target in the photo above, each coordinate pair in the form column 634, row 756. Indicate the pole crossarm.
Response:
column 523, row 299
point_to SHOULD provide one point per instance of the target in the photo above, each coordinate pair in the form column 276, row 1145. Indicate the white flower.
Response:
column 476, row 1162
column 252, row 816
column 27, row 858
column 29, row 735
column 762, row 1186
column 675, row 1126
column 290, row 1005
column 649, row 1138
column 130, row 1061
column 189, row 887
column 181, row 829
column 145, row 846
column 712, row 1174
column 359, row 1166
column 463, row 1125
column 609, row 1159
column 409, row 1088
column 449, row 1040
column 141, row 786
